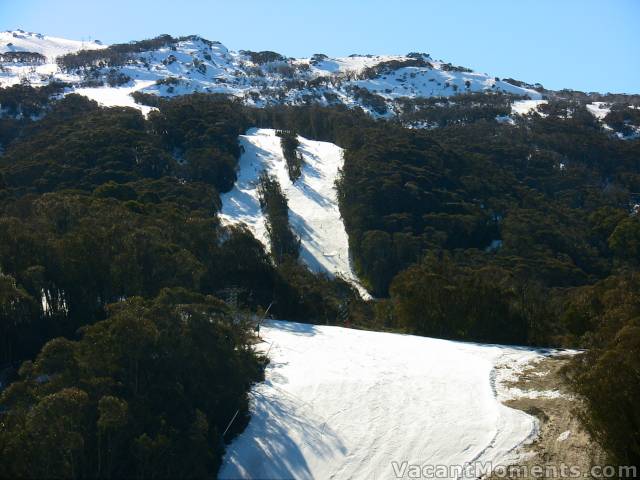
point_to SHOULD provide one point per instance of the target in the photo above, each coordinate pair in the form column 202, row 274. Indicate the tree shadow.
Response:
column 282, row 429
column 304, row 329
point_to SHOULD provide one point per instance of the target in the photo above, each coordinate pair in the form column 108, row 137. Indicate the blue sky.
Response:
column 587, row 45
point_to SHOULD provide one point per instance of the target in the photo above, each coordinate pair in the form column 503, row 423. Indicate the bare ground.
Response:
column 562, row 440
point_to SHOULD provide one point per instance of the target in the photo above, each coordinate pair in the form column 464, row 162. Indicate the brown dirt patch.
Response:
column 562, row 440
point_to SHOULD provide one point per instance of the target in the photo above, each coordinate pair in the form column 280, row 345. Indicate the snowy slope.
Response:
column 193, row 64
column 599, row 109
column 313, row 207
column 523, row 107
column 381, row 398
column 50, row 47
column 117, row 96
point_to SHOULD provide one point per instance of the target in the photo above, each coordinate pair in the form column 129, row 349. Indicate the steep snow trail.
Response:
column 313, row 206
column 339, row 403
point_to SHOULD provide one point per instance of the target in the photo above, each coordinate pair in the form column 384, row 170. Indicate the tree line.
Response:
column 290, row 143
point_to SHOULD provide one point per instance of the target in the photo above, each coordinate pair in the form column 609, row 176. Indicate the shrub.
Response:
column 284, row 243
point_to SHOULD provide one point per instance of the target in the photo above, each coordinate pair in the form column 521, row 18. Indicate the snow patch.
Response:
column 514, row 364
column 50, row 47
column 523, row 107
column 515, row 393
column 599, row 109
column 505, row 119
column 494, row 246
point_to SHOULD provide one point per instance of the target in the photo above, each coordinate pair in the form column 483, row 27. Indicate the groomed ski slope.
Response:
column 314, row 215
column 341, row 404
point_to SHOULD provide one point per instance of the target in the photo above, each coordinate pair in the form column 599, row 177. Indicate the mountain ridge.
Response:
column 167, row 66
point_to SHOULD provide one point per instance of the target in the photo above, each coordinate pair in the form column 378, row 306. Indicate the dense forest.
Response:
column 124, row 304
column 114, row 266
column 273, row 202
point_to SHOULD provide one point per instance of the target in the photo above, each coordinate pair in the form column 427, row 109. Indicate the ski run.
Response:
column 339, row 403
column 314, row 215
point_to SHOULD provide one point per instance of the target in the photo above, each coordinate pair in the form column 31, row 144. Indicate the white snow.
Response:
column 523, row 107
column 505, row 119
column 50, row 47
column 513, row 364
column 431, row 82
column 117, row 96
column 599, row 109
column 563, row 436
column 515, row 393
column 348, row 65
column 314, row 215
column 198, row 65
column 342, row 403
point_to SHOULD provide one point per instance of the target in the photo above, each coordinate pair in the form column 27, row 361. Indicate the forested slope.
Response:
column 125, row 298
column 519, row 232
column 525, row 231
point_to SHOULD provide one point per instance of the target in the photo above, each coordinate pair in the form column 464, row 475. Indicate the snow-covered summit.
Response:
column 168, row 66
column 49, row 47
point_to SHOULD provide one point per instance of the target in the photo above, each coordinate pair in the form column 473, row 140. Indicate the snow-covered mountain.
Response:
column 49, row 47
column 168, row 66
column 28, row 56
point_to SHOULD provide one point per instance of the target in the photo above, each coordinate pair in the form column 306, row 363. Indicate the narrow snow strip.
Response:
column 313, row 207
column 513, row 365
column 515, row 393
column 340, row 403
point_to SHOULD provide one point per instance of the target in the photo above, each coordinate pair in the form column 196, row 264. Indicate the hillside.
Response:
column 159, row 198
column 383, row 398
column 313, row 206
column 168, row 66
column 405, row 87
column 19, row 41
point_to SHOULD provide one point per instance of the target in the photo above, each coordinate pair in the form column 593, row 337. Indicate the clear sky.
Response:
column 590, row 45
